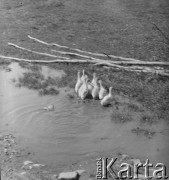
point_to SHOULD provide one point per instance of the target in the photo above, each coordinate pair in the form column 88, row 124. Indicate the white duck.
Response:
column 81, row 87
column 83, row 79
column 83, row 75
column 90, row 87
column 94, row 80
column 103, row 91
column 85, row 90
column 78, row 83
column 95, row 90
column 108, row 98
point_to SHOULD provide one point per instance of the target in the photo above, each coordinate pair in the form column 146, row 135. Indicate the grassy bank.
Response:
column 150, row 90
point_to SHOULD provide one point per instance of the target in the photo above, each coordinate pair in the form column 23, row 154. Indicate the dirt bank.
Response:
column 121, row 28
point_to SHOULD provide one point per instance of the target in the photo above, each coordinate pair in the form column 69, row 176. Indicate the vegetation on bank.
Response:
column 150, row 90
column 34, row 79
column 4, row 62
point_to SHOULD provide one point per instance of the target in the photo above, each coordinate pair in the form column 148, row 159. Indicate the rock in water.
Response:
column 49, row 108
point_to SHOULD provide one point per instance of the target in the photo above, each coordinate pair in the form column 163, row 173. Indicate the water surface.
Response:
column 74, row 129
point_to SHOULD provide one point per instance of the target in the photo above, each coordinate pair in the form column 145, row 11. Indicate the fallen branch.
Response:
column 109, row 64
column 126, row 62
column 131, row 63
column 81, row 51
column 48, row 44
column 147, row 63
column 83, row 61
column 61, row 52
column 35, row 52
column 123, row 67
column 137, row 70
column 140, row 63
column 54, row 61
column 45, row 61
column 73, row 54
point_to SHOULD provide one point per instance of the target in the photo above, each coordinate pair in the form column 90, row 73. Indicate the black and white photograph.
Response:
column 84, row 89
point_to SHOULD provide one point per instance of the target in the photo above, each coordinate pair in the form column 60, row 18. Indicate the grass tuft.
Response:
column 134, row 107
column 4, row 62
column 31, row 80
column 121, row 117
column 148, row 119
column 143, row 132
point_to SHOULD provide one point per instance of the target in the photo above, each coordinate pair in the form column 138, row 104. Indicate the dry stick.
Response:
column 40, row 53
column 62, row 61
column 45, row 61
column 122, row 67
column 52, row 61
column 115, row 62
column 73, row 54
column 35, row 52
column 141, row 63
column 129, row 62
column 51, row 55
column 137, row 70
column 109, row 64
column 78, row 50
column 79, row 55
column 56, row 61
column 148, row 63
column 76, row 61
column 88, row 57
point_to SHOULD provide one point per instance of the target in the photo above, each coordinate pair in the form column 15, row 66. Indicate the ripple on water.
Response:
column 74, row 128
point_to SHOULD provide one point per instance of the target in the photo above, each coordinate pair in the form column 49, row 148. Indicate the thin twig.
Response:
column 161, row 32
column 35, row 52
column 45, row 61
column 73, row 54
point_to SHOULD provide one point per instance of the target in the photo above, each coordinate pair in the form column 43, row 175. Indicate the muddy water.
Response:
column 74, row 130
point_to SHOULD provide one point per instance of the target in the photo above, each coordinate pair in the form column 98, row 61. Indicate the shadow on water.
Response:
column 74, row 128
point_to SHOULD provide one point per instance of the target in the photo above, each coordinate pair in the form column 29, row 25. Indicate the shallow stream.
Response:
column 74, row 129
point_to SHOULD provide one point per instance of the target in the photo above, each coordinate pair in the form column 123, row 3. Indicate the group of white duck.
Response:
column 85, row 88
